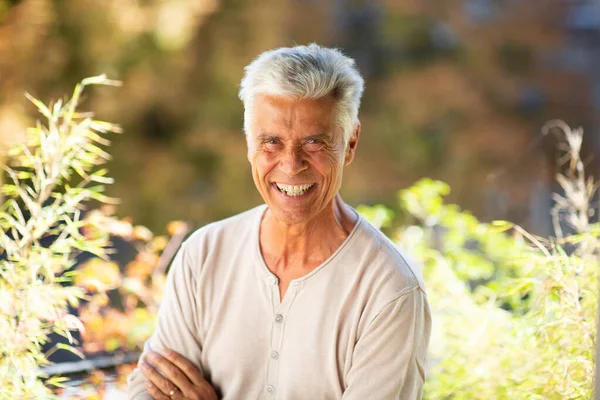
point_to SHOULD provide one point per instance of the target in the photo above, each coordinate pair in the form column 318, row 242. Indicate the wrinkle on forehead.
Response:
column 277, row 115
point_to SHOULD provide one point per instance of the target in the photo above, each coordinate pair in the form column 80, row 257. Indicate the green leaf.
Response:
column 96, row 151
column 100, row 80
column 501, row 226
column 9, row 190
column 57, row 381
column 56, row 108
column 77, row 167
column 72, row 349
column 103, row 127
column 379, row 215
column 96, row 138
column 41, row 106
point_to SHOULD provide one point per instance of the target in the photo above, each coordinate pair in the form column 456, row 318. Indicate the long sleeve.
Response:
column 176, row 325
column 390, row 357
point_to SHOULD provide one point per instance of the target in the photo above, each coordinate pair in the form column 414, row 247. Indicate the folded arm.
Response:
column 176, row 327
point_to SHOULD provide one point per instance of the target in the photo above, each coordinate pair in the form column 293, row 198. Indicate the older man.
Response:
column 299, row 298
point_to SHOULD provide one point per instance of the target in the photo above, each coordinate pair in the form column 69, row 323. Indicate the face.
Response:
column 297, row 154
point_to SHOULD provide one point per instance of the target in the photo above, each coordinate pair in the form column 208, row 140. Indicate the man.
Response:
column 299, row 298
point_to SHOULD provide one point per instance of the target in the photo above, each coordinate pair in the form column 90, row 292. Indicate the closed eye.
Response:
column 314, row 144
column 270, row 143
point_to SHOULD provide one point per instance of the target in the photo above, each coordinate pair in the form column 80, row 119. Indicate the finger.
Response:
column 163, row 384
column 155, row 392
column 170, row 371
column 189, row 369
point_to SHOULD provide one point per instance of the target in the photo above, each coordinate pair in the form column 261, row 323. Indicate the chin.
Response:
column 291, row 217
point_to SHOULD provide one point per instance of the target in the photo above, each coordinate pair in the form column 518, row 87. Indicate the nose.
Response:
column 292, row 162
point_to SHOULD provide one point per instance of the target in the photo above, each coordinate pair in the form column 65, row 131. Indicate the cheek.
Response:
column 331, row 160
column 262, row 162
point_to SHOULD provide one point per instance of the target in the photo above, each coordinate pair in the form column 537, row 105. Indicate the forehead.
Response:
column 277, row 113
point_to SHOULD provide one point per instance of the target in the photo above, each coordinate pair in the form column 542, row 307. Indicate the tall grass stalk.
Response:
column 49, row 179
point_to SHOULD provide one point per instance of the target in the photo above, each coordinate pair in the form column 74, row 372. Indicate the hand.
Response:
column 179, row 377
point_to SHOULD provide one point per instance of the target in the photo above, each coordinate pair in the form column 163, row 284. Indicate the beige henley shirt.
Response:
column 357, row 327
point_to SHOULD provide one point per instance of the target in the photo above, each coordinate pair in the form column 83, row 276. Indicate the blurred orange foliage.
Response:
column 122, row 303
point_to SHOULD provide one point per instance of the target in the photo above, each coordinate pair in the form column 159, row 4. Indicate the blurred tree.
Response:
column 455, row 91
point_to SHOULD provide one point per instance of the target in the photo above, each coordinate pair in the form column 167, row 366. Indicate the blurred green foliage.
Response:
column 514, row 314
column 449, row 94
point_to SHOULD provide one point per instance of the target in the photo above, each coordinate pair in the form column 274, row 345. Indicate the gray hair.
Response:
column 309, row 71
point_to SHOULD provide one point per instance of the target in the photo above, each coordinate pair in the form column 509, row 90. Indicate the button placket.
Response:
column 273, row 284
column 277, row 331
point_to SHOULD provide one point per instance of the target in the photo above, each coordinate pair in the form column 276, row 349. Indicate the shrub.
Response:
column 514, row 314
column 51, row 175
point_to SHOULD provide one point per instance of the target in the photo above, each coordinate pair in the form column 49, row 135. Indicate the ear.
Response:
column 352, row 143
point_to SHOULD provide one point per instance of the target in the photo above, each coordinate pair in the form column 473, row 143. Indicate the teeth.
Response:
column 294, row 190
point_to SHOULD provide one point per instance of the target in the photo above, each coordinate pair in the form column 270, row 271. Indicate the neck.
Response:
column 305, row 246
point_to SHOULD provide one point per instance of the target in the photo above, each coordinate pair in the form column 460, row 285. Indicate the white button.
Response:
column 274, row 355
column 278, row 318
column 271, row 389
column 272, row 280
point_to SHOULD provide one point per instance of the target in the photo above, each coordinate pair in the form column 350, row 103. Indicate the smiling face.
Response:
column 297, row 154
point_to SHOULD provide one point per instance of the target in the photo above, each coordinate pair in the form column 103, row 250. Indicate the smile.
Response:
column 294, row 190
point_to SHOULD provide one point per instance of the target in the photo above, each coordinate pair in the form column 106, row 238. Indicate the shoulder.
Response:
column 384, row 267
column 381, row 274
column 238, row 225
column 222, row 235
column 383, row 280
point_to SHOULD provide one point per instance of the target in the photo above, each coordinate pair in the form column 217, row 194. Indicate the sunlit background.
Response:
column 456, row 90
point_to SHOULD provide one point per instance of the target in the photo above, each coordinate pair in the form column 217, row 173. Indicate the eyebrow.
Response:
column 322, row 136
column 266, row 136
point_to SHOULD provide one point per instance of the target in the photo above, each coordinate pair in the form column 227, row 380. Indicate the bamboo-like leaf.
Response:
column 500, row 226
column 9, row 190
column 40, row 106
column 57, row 381
column 90, row 160
column 101, row 179
column 72, row 200
column 23, row 175
column 96, row 138
column 14, row 151
column 105, row 199
column 72, row 226
column 77, row 167
column 35, row 136
column 56, row 109
column 100, row 80
column 96, row 151
column 104, row 127
column 40, row 166
column 83, row 115
column 20, row 227
column 17, row 211
column 31, row 192
column 101, row 172
column 63, row 346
